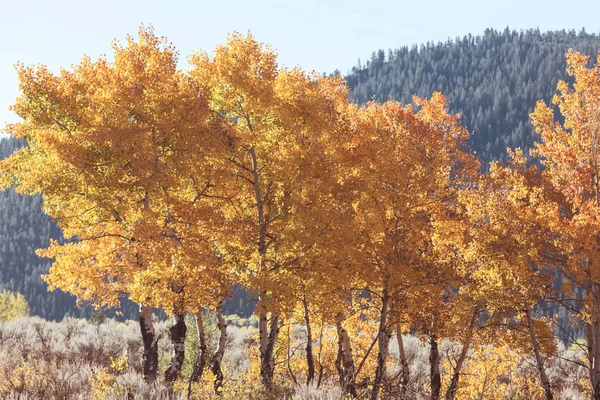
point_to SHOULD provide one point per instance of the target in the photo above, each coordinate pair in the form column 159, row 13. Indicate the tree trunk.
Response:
column 592, row 331
column 177, row 335
column 200, row 362
column 384, row 335
column 434, row 362
column 215, row 364
column 596, row 360
column 451, row 391
column 267, row 351
column 403, row 362
column 595, row 347
column 310, row 361
column 347, row 361
column 589, row 333
column 267, row 337
column 338, row 363
column 538, row 357
column 150, row 340
column 263, row 334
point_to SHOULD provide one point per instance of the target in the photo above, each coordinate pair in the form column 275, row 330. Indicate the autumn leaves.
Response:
column 172, row 185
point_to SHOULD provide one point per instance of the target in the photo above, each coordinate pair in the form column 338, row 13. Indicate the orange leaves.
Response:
column 124, row 153
column 569, row 152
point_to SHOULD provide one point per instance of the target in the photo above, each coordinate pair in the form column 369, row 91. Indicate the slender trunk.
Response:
column 150, row 340
column 263, row 333
column 320, row 378
column 267, row 337
column 200, row 362
column 338, row 363
column 320, row 360
column 177, row 335
column 595, row 356
column 403, row 362
column 592, row 332
column 538, row 356
column 215, row 364
column 434, row 361
column 289, row 356
column 267, row 365
column 451, row 391
column 589, row 333
column 260, row 206
column 385, row 332
column 310, row 361
column 346, row 359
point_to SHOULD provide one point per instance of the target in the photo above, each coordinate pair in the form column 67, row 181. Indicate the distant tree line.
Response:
column 493, row 80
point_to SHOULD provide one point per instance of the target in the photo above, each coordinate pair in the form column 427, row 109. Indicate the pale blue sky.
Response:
column 320, row 35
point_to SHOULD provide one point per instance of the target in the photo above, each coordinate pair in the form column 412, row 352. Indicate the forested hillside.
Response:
column 493, row 80
column 25, row 228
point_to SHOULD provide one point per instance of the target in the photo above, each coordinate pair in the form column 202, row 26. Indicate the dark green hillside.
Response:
column 23, row 229
column 494, row 80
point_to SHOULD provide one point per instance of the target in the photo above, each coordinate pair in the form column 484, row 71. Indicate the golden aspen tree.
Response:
column 124, row 155
column 512, row 254
column 281, row 121
column 569, row 153
column 410, row 160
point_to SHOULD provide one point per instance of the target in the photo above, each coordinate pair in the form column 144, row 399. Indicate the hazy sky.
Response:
column 320, row 35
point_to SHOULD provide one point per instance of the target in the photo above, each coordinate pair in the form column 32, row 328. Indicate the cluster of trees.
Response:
column 172, row 186
column 493, row 80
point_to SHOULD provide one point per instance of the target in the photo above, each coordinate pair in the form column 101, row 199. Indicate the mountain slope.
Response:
column 23, row 229
column 493, row 80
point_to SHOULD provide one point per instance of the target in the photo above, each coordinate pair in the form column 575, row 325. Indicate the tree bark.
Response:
column 310, row 361
column 263, row 334
column 538, row 356
column 434, row 362
column 347, row 361
column 177, row 334
column 338, row 363
column 403, row 362
column 200, row 362
column 595, row 347
column 215, row 364
column 267, row 364
column 589, row 333
column 451, row 391
column 592, row 332
column 150, row 340
column 596, row 360
column 384, row 335
column 267, row 337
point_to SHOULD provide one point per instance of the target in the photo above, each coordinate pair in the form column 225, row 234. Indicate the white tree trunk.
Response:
column 403, row 362
column 347, row 360
column 215, row 365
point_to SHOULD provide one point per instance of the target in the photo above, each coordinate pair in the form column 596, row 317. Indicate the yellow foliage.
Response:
column 498, row 372
column 12, row 306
